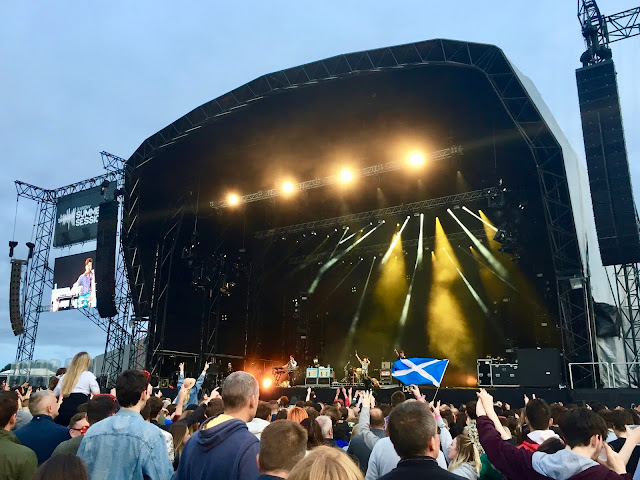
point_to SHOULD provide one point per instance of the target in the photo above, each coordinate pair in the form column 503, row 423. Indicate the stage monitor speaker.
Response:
column 539, row 367
column 106, row 259
column 14, row 297
column 609, row 178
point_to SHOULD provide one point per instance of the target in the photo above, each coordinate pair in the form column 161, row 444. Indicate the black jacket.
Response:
column 359, row 450
column 419, row 468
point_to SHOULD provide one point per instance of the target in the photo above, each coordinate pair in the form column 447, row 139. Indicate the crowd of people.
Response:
column 72, row 431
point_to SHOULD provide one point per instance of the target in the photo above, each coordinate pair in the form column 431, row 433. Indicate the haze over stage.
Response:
column 354, row 111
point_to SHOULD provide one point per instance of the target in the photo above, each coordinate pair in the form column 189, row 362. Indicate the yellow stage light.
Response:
column 266, row 383
column 233, row 199
column 346, row 175
column 416, row 159
column 287, row 187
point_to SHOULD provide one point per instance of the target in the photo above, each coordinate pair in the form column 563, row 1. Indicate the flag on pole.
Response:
column 420, row 371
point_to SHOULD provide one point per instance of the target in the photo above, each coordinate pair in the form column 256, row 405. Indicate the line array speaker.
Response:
column 106, row 259
column 14, row 297
column 611, row 193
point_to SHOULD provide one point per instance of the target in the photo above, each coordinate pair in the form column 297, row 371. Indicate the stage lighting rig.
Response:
column 12, row 244
column 103, row 187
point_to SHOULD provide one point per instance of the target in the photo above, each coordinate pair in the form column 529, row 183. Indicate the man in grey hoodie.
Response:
column 585, row 433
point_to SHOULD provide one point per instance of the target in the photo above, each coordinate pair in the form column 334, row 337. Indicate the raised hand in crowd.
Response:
column 181, row 367
column 614, row 460
column 206, row 366
column 415, row 391
column 435, row 408
column 159, row 394
column 215, row 393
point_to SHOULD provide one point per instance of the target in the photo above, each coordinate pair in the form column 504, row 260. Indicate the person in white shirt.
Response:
column 76, row 387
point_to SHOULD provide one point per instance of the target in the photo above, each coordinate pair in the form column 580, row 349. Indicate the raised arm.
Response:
column 359, row 359
column 368, row 402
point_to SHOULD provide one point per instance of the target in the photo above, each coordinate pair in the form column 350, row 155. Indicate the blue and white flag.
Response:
column 420, row 371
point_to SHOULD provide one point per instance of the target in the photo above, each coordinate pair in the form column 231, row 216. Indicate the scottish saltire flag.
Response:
column 420, row 371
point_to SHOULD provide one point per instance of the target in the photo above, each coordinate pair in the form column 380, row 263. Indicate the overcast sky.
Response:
column 79, row 77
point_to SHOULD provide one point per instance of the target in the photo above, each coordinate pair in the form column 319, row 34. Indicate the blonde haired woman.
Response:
column 464, row 457
column 75, row 386
column 326, row 463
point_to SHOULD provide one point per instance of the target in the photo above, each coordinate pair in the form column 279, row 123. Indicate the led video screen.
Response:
column 74, row 282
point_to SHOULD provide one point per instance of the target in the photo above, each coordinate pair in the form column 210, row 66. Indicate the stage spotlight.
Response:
column 287, row 187
column 346, row 175
column 233, row 199
column 103, row 186
column 267, row 382
column 500, row 236
column 416, row 159
column 12, row 244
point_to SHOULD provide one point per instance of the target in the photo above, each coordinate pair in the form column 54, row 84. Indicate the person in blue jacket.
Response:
column 191, row 384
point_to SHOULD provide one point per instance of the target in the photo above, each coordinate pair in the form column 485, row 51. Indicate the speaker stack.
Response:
column 106, row 259
column 14, row 297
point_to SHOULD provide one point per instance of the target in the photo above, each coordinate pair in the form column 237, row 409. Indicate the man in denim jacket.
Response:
column 124, row 445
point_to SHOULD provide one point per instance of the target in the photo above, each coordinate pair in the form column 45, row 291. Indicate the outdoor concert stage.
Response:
column 352, row 204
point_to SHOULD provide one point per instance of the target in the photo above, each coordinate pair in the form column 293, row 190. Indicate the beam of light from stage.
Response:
column 331, row 262
column 474, row 294
column 486, row 223
column 495, row 263
column 348, row 238
column 356, row 316
column 394, row 242
column 407, row 300
column 344, row 232
column 476, row 256
column 320, row 303
column 447, row 329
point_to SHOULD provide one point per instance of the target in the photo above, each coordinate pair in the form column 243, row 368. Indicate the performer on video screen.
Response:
column 86, row 285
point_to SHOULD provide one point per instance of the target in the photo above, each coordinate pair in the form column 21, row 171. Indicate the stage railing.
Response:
column 626, row 366
column 592, row 365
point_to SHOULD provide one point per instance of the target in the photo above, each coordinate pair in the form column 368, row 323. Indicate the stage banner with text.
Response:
column 77, row 215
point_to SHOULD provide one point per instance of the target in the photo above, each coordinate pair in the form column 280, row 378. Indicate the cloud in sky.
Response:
column 104, row 76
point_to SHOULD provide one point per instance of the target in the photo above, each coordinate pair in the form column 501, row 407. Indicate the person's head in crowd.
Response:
column 606, row 416
column 241, row 394
column 60, row 372
column 146, row 412
column 397, row 398
column 65, row 466
column 78, row 424
column 512, row 425
column 283, row 401
column 44, row 402
column 333, row 413
column 462, row 450
column 317, row 406
column 312, row 413
column 412, row 430
column 470, row 410
column 297, row 414
column 584, row 428
column 132, row 389
column 155, row 407
column 8, row 409
column 82, row 408
column 551, row 445
column 274, row 406
column 80, row 363
column 448, row 416
column 376, row 419
column 326, row 463
column 282, row 445
column 634, row 415
column 619, row 421
column 263, row 411
column 344, row 413
column 326, row 426
column 538, row 414
column 557, row 413
column 53, row 383
column 214, row 408
column 100, row 407
column 171, row 409
column 386, row 409
column 180, row 433
column 282, row 415
column 300, row 404
column 338, row 403
column 314, row 433
column 597, row 406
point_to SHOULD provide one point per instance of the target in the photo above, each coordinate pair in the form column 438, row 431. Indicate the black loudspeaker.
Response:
column 539, row 367
column 106, row 259
column 14, row 297
column 607, row 164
